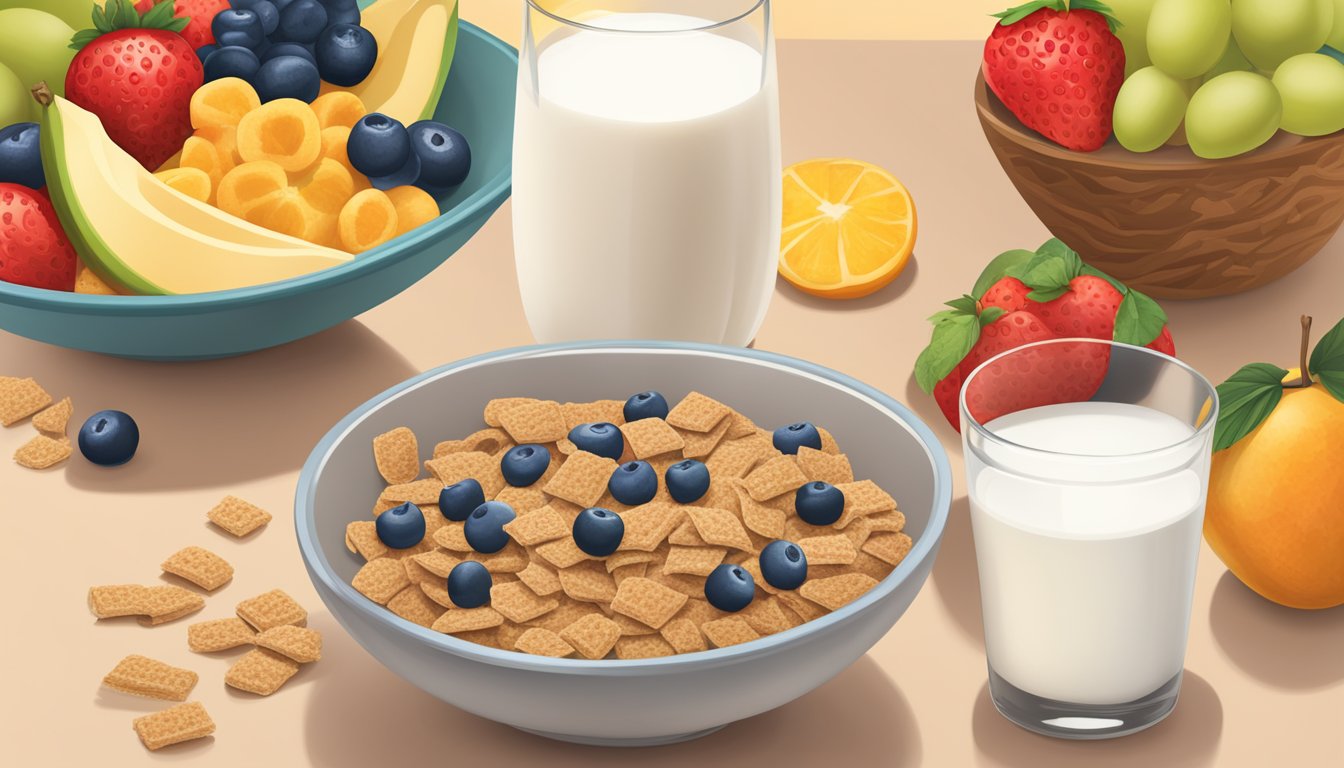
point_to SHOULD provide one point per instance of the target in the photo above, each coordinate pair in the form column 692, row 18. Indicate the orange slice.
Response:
column 849, row 228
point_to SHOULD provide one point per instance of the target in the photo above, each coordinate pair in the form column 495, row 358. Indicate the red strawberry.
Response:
column 1068, row 372
column 1008, row 294
column 201, row 13
column 33, row 248
column 1087, row 309
column 137, row 74
column 1058, row 66
column 945, row 393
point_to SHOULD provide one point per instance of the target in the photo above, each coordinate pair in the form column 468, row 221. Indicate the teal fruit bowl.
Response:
column 477, row 100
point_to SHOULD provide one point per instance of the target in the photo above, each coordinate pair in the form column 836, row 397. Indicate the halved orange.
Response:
column 849, row 227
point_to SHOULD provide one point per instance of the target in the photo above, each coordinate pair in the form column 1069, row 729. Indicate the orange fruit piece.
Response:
column 192, row 182
column 330, row 187
column 87, row 282
column 334, row 141
column 415, row 207
column 250, row 185
column 200, row 153
column 284, row 131
column 367, row 221
column 338, row 108
column 849, row 228
column 225, row 139
column 222, row 102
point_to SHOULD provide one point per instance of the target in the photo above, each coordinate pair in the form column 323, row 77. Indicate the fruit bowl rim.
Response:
column 491, row 194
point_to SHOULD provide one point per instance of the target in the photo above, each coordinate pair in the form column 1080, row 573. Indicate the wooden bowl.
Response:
column 1172, row 224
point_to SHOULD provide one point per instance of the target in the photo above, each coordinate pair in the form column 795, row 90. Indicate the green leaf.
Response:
column 1004, row 265
column 1139, row 320
column 1101, row 8
column 963, row 304
column 1244, row 400
column 1088, row 269
column 991, row 314
column 1014, row 15
column 952, row 340
column 946, row 314
column 100, row 21
column 1327, row 361
column 1056, row 247
column 127, row 16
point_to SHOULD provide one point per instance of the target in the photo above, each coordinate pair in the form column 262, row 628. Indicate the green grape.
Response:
column 1312, row 88
column 36, row 45
column 1233, row 60
column 16, row 105
column 76, row 13
column 1269, row 31
column 1231, row 114
column 1148, row 110
column 1336, row 37
column 1187, row 37
column 1133, row 31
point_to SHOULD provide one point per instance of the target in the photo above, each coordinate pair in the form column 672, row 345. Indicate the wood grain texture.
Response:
column 1170, row 223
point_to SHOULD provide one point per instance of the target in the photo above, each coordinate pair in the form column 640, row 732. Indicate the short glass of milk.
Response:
column 646, row 169
column 1087, row 465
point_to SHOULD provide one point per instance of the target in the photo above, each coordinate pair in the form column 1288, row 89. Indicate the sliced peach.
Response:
column 334, row 141
column 225, row 139
column 367, row 221
column 414, row 207
column 284, row 131
column 250, row 185
column 222, row 102
column 192, row 182
column 199, row 153
column 338, row 108
column 330, row 187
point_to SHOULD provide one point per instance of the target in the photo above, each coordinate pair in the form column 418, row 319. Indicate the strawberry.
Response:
column 137, row 74
column 33, row 248
column 1058, row 67
column 200, row 13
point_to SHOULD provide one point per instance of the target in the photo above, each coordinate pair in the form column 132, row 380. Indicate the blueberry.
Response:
column 600, row 438
column 634, row 483
column 407, row 175
column 819, row 503
column 287, row 77
column 783, row 565
column 485, row 528
column 729, row 588
column 345, row 54
column 269, row 15
column 378, row 145
column 20, row 156
column 204, row 51
column 524, row 465
column 342, row 11
column 598, row 532
column 238, row 27
column 687, row 480
column 109, row 438
column 646, row 405
column 789, row 439
column 301, row 21
column 459, row 500
column 445, row 157
column 288, row 49
column 401, row 527
column 231, row 61
column 469, row 584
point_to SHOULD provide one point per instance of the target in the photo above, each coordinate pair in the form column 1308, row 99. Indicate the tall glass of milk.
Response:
column 1087, row 464
column 646, row 169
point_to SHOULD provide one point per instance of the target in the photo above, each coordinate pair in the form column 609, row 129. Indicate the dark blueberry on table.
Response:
column 20, row 155
column 378, row 145
column 600, row 438
column 469, row 585
column 109, row 438
column 598, row 532
column 729, row 588
column 204, row 52
column 687, row 480
column 402, row 526
column 287, row 77
column 789, row 439
column 301, row 21
column 485, row 528
column 819, row 503
column 345, row 54
column 634, row 483
column 288, row 49
column 783, row 565
column 445, row 156
column 342, row 11
column 237, row 27
column 524, row 465
column 459, row 500
column 231, row 61
column 646, row 405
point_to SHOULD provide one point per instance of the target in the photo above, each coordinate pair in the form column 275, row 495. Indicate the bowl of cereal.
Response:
column 777, row 518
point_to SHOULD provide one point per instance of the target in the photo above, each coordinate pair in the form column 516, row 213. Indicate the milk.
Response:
column 646, row 197
column 1086, row 588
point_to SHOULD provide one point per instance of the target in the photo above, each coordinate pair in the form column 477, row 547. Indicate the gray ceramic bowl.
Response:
column 610, row 702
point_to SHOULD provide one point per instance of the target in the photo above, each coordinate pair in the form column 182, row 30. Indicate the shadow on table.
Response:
column 1188, row 737
column 956, row 577
column 889, row 292
column 216, row 422
column 1284, row 647
column 356, row 716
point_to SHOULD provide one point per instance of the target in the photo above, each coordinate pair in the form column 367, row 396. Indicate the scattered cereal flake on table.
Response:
column 219, row 635
column 397, row 455
column 158, row 603
column 43, row 452
column 143, row 676
column 836, row 592
column 260, row 671
column 301, row 644
column 381, row 579
column 200, row 566
column 114, row 600
column 593, row 635
column 543, row 642
column 651, row 437
column 647, row 601
column 697, row 413
column 20, row 398
column 729, row 631
column 174, row 725
column 55, row 419
column 238, row 517
column 272, row 609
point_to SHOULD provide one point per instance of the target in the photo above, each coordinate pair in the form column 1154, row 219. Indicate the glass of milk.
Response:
column 1087, row 464
column 646, row 169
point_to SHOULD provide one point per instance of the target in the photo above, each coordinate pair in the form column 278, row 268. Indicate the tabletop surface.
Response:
column 1264, row 685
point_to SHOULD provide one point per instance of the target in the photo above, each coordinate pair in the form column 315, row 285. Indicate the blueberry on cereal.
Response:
column 598, row 532
column 646, row 405
column 687, row 481
column 485, row 528
column 729, row 588
column 109, row 438
column 783, row 565
column 469, row 584
column 459, row 500
column 789, row 439
column 401, row 527
column 524, row 465
column 599, row 438
column 819, row 503
column 634, row 483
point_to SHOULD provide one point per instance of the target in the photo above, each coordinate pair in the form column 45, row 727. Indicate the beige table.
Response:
column 1264, row 685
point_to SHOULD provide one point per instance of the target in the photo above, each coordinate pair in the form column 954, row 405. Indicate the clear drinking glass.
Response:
column 646, row 169
column 1087, row 464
